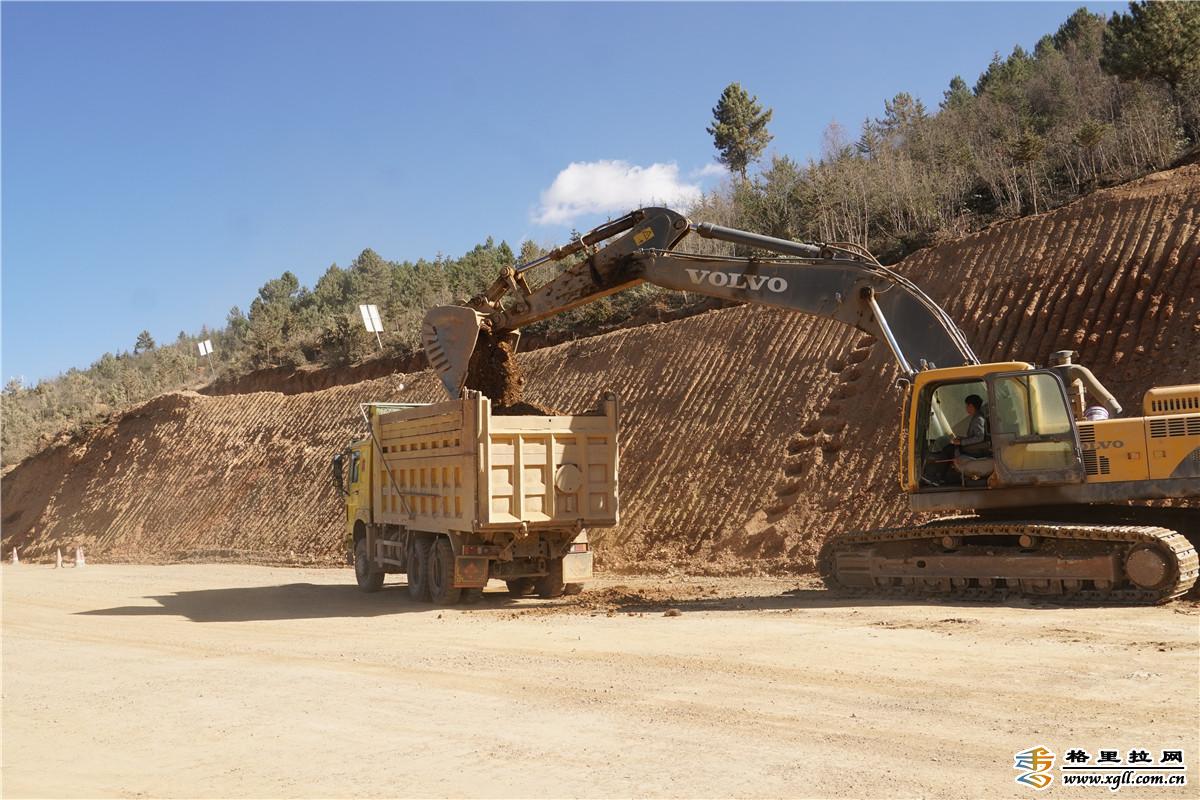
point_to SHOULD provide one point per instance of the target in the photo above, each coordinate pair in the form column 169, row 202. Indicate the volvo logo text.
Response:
column 738, row 280
column 1115, row 444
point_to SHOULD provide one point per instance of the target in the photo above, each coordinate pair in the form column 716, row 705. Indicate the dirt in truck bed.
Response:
column 495, row 372
column 748, row 434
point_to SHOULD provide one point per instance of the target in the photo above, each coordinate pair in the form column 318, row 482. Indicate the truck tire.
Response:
column 369, row 579
column 441, row 573
column 551, row 584
column 519, row 587
column 418, row 570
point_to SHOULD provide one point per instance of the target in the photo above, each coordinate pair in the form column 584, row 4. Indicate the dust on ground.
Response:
column 243, row 681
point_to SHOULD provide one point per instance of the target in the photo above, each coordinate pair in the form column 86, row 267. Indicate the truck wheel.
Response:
column 519, row 587
column 551, row 584
column 441, row 573
column 418, row 570
column 572, row 588
column 369, row 579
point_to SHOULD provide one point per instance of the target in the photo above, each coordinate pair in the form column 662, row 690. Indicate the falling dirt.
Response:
column 748, row 434
column 494, row 370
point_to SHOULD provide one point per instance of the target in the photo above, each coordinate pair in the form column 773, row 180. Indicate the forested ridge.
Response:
column 1095, row 103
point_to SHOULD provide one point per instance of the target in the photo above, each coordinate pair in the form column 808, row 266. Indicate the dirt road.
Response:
column 240, row 681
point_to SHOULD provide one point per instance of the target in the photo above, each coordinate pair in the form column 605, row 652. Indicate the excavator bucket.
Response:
column 448, row 335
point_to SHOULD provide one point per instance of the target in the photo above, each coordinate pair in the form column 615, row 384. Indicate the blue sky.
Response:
column 161, row 161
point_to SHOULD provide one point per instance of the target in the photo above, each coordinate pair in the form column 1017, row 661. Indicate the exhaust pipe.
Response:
column 1072, row 373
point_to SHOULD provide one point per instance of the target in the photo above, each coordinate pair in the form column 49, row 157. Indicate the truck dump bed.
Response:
column 454, row 466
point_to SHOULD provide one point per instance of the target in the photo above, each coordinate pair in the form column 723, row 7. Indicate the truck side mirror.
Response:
column 338, row 474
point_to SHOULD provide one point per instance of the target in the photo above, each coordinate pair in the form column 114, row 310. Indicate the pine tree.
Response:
column 739, row 129
column 144, row 342
column 958, row 95
column 1157, row 41
column 901, row 114
column 1082, row 31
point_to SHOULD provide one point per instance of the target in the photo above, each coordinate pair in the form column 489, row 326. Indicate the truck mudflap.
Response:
column 471, row 572
column 577, row 567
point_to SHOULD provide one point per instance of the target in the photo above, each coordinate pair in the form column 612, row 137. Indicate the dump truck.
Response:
column 1048, row 503
column 452, row 495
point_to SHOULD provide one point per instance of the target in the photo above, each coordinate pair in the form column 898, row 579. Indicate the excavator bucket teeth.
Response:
column 448, row 335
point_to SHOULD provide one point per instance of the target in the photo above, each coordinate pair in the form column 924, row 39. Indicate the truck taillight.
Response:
column 579, row 547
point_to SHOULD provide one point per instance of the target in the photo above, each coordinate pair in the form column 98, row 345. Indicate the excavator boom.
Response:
column 840, row 282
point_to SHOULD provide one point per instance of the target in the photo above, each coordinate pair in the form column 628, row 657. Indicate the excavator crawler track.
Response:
column 978, row 559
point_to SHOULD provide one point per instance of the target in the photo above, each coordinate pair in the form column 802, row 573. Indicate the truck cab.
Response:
column 351, row 477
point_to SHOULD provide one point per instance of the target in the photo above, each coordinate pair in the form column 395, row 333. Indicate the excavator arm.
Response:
column 840, row 282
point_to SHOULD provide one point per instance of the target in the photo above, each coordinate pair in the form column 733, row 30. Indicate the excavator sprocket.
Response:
column 974, row 558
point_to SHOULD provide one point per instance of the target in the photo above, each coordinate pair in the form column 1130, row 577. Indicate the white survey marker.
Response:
column 205, row 347
column 370, row 317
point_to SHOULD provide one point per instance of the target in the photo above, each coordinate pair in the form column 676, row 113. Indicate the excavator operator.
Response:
column 976, row 442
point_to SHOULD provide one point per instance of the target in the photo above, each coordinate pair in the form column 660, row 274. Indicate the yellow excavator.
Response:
column 1043, row 502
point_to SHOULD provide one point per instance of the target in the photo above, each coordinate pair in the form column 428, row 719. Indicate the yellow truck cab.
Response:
column 351, row 474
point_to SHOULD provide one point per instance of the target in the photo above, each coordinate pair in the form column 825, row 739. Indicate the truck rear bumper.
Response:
column 472, row 572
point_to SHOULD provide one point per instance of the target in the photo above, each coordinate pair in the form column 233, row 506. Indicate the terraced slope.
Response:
column 749, row 434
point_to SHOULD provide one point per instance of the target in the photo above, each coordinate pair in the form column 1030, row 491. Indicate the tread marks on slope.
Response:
column 1115, row 269
column 1178, row 289
column 1138, row 312
column 1111, row 350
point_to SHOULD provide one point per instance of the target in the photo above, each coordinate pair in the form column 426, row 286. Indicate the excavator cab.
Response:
column 1032, row 433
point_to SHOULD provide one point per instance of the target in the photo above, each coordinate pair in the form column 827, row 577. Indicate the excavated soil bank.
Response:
column 748, row 434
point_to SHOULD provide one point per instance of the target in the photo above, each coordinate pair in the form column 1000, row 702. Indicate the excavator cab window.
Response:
column 946, row 417
column 1033, row 431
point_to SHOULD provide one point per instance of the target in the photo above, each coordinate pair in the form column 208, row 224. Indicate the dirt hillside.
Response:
column 749, row 434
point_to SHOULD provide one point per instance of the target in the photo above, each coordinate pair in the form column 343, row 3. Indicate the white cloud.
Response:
column 710, row 170
column 605, row 187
